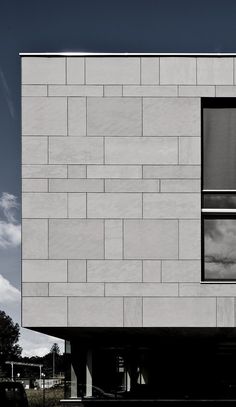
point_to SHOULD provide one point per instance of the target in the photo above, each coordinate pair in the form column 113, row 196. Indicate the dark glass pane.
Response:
column 220, row 249
column 219, row 148
column 219, row 201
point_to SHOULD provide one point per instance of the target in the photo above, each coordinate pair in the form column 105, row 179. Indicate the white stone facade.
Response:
column 111, row 164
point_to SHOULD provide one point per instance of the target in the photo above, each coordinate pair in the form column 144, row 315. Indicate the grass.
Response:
column 52, row 397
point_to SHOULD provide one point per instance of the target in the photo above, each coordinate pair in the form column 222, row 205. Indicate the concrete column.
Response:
column 89, row 374
column 73, row 391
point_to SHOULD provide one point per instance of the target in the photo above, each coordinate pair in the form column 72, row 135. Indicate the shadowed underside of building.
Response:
column 128, row 220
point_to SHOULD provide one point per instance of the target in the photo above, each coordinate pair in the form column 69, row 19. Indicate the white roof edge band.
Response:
column 204, row 54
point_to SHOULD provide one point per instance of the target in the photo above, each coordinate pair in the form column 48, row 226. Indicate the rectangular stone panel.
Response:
column 76, row 289
column 180, row 185
column 171, row 206
column 75, row 70
column 189, row 239
column 44, row 171
column 43, row 70
column 44, row 116
column 127, row 185
column 149, row 91
column 77, row 205
column 133, row 312
column 171, row 117
column 215, row 71
column 114, row 171
column 75, row 90
column 141, row 150
column 113, row 90
column 34, row 185
column 197, row 91
column 181, row 271
column 76, row 150
column 149, row 71
column 34, row 90
column 225, row 91
column 77, row 117
column 96, row 312
column 112, row 70
column 77, row 271
column 77, row 171
column 112, row 205
column 46, row 311
column 152, row 271
column 76, row 185
column 189, row 150
column 178, row 70
column 34, row 289
column 141, row 289
column 179, row 312
column 44, row 270
column 34, row 150
column 76, row 239
column 114, row 271
column 114, row 117
column 171, row 171
column 225, row 312
column 44, row 205
column 113, row 239
column 34, row 239
column 151, row 239
column 207, row 290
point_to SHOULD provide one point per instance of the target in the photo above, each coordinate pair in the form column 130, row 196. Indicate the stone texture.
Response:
column 76, row 289
column 225, row 312
column 149, row 71
column 75, row 90
column 44, row 171
column 181, row 271
column 76, row 185
column 34, row 150
column 149, row 91
column 75, row 70
column 127, row 185
column 112, row 90
column 133, row 312
column 180, row 185
column 207, row 290
column 44, row 270
column 77, row 205
column 215, row 71
column 110, row 70
column 34, row 185
column 77, row 271
column 154, row 239
column 197, row 91
column 35, row 289
column 171, row 117
column 114, row 117
column 76, row 150
column 76, row 171
column 44, row 116
column 177, row 70
column 179, row 312
column 113, row 239
column 172, row 206
column 76, row 239
column 77, row 117
column 34, row 90
column 111, row 205
column 43, row 70
column 151, row 271
column 114, row 171
column 114, row 271
column 225, row 91
column 44, row 205
column 189, row 150
column 141, row 150
column 171, row 171
column 34, row 239
column 43, row 312
column 96, row 312
column 189, row 239
column 141, row 289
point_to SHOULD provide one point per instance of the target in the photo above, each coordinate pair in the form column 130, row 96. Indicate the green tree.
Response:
column 9, row 336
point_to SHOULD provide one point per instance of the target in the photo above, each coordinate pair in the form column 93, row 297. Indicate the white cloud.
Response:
column 10, row 230
column 8, row 293
column 37, row 344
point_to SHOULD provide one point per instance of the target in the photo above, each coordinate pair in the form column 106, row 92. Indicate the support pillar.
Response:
column 89, row 374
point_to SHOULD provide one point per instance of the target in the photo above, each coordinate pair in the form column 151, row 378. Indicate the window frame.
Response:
column 213, row 213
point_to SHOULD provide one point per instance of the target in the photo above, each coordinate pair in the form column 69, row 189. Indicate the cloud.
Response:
column 10, row 230
column 37, row 344
column 8, row 293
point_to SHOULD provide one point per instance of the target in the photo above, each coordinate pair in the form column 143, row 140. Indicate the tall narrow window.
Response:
column 219, row 189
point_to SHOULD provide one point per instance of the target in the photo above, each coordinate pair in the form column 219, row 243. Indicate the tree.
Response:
column 55, row 349
column 9, row 336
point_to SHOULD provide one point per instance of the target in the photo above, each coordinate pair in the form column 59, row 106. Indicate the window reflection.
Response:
column 220, row 201
column 220, row 249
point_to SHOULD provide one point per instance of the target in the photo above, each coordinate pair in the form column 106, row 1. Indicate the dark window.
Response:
column 219, row 189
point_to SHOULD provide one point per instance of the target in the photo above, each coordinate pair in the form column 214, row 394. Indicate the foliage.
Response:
column 9, row 336
column 55, row 349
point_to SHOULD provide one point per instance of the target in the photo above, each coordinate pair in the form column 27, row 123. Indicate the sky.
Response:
column 83, row 26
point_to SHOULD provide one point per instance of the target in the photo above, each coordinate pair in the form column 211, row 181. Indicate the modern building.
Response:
column 129, row 228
